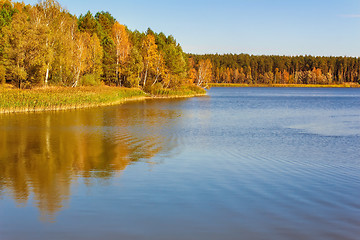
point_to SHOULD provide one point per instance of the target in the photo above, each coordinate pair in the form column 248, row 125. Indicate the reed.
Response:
column 184, row 91
column 59, row 98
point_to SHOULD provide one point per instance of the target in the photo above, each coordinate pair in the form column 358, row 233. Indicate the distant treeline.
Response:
column 46, row 45
column 250, row 69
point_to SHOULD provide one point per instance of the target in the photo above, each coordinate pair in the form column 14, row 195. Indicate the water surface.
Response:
column 241, row 163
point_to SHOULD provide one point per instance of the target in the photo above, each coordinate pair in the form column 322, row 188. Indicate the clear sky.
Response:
column 278, row 27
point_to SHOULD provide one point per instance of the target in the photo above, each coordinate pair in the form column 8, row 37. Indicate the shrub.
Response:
column 156, row 89
column 2, row 74
column 90, row 80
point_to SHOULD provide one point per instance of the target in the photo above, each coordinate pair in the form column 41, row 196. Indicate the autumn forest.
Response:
column 244, row 68
column 45, row 45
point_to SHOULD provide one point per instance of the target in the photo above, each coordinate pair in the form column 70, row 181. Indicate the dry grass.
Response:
column 59, row 98
column 184, row 91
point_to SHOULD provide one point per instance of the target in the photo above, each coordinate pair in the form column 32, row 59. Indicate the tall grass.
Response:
column 56, row 98
column 61, row 98
column 184, row 91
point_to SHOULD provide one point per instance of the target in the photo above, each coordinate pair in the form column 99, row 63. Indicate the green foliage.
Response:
column 105, row 21
column 6, row 13
column 19, row 75
column 109, row 61
column 156, row 89
column 134, row 69
column 173, row 54
column 90, row 80
column 136, row 38
column 88, row 24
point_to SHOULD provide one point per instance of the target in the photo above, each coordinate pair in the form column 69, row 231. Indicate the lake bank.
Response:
column 344, row 85
column 61, row 98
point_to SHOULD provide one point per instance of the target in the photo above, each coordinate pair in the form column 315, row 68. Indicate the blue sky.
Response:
column 279, row 27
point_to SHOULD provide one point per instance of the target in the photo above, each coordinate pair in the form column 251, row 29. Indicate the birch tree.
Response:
column 122, row 45
column 81, row 42
column 204, row 72
column 150, row 54
column 50, row 15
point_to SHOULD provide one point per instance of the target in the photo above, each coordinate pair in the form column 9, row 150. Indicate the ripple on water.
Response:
column 289, row 188
column 229, row 167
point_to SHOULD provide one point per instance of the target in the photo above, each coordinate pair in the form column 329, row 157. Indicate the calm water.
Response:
column 241, row 163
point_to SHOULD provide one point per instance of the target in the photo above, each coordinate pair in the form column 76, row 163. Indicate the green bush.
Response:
column 156, row 89
column 90, row 80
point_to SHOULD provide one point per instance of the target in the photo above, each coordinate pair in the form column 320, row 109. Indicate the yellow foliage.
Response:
column 123, row 47
column 150, row 56
column 204, row 72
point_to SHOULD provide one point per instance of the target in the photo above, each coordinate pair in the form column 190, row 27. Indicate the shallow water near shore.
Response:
column 240, row 163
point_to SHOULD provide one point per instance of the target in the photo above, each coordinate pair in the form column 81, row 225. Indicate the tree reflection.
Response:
column 42, row 155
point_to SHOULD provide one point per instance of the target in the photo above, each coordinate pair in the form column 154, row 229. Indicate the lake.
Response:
column 240, row 163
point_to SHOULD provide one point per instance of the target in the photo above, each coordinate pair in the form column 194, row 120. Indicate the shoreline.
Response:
column 244, row 85
column 69, row 107
column 62, row 99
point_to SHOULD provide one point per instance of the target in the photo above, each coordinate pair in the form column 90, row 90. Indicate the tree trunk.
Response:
column 146, row 72
column 156, row 79
column 77, row 78
column 47, row 76
column 117, row 71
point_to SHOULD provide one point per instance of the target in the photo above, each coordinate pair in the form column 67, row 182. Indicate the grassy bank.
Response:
column 42, row 99
column 184, row 91
column 58, row 98
column 344, row 85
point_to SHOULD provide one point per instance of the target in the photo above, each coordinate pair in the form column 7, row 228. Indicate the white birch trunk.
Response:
column 146, row 73
column 47, row 75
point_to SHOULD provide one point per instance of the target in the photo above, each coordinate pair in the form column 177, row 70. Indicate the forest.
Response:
column 44, row 45
column 250, row 69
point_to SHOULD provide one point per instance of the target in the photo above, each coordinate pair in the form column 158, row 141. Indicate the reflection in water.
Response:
column 41, row 155
column 242, row 162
